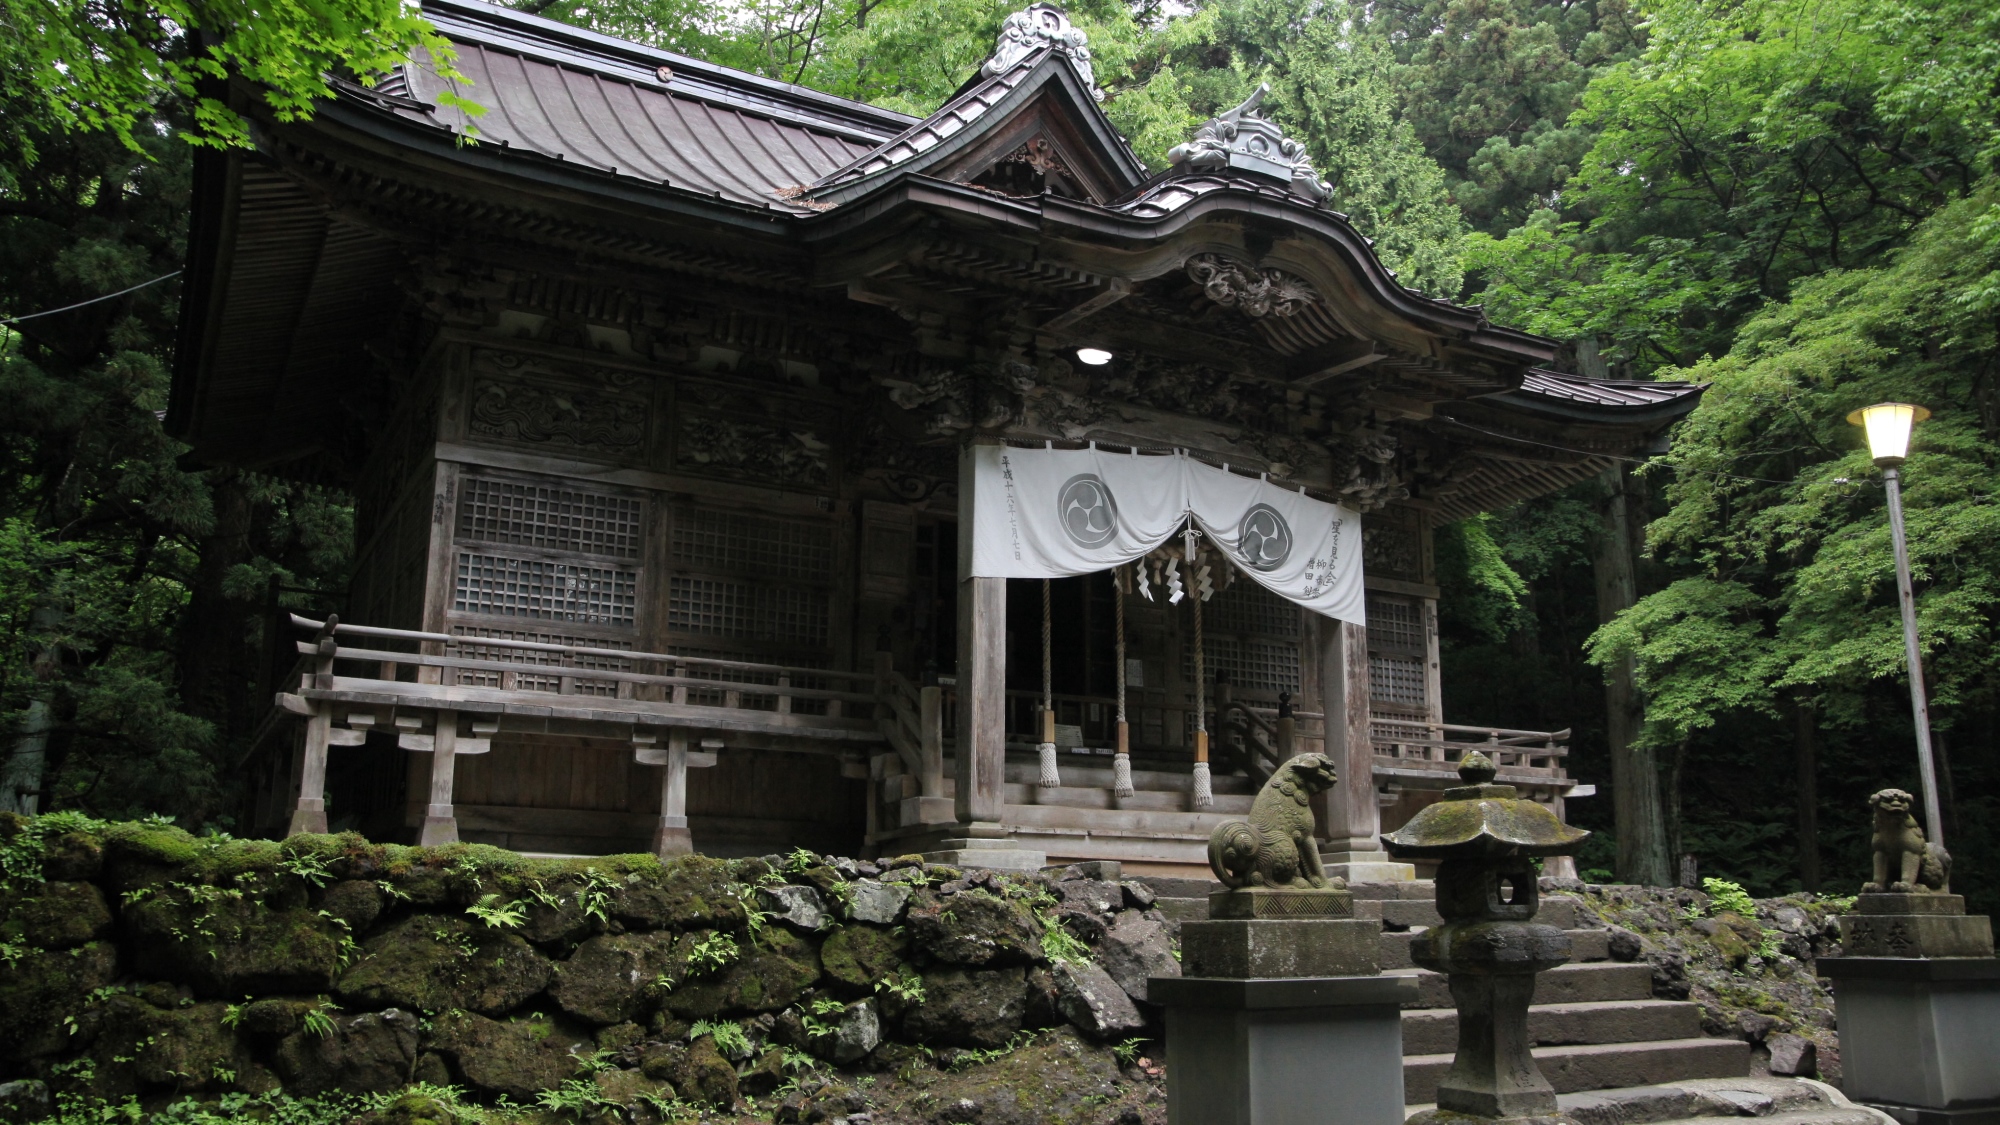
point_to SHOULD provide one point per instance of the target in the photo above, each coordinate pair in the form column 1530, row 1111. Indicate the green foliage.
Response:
column 713, row 952
column 1128, row 1051
column 498, row 915
column 1472, row 564
column 728, row 1035
column 577, row 1098
column 905, row 984
column 1727, row 897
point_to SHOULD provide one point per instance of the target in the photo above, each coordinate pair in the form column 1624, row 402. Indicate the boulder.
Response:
column 1134, row 949
column 518, row 1058
column 772, row 973
column 276, row 1017
column 708, row 1076
column 1058, row 1077
column 435, row 963
column 233, row 947
column 1138, row 896
column 54, row 916
column 1091, row 1000
column 693, row 892
column 357, row 902
column 25, row 1099
column 608, row 979
column 179, row 1047
column 1624, row 945
column 364, row 1054
column 1094, row 896
column 627, row 1087
column 880, row 903
column 413, row 1108
column 39, row 991
column 1793, row 1056
column 764, row 1075
column 857, row 1033
column 798, row 907
column 974, row 927
column 860, row 955
column 969, row 1008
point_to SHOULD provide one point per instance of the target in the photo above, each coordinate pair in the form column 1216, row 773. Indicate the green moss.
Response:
column 43, row 994
column 858, row 955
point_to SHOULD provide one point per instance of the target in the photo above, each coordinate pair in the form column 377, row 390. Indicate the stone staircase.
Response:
column 1595, row 1022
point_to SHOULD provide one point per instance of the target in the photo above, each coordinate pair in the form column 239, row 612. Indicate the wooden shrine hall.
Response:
column 661, row 390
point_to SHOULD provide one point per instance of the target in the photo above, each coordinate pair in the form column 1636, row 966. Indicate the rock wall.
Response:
column 138, row 961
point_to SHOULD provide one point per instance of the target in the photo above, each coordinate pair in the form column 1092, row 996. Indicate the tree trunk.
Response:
column 1643, row 852
column 215, row 627
column 1805, row 756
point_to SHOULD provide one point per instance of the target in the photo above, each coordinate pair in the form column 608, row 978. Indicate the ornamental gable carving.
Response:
column 1256, row 293
column 525, row 401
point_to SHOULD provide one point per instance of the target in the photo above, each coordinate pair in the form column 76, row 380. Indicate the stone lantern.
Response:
column 1487, row 838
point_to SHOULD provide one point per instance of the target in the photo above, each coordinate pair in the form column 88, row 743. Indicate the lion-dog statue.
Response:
column 1904, row 862
column 1276, row 847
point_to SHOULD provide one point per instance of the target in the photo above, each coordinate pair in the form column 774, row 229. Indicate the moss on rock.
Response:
column 974, row 927
column 227, row 943
column 517, row 1058
column 368, row 1053
column 433, row 963
column 693, row 892
column 772, row 973
column 609, row 978
column 54, row 915
column 858, row 955
column 144, row 1047
column 709, row 1078
column 42, row 990
column 969, row 1008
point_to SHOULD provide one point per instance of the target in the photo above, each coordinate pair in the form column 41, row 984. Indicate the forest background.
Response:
column 1793, row 201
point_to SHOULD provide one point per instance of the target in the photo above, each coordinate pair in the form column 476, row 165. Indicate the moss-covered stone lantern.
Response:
column 1487, row 839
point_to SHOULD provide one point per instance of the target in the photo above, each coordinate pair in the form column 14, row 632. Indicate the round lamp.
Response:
column 1095, row 357
column 1888, row 425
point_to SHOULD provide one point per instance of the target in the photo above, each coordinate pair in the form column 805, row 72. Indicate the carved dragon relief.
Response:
column 1256, row 293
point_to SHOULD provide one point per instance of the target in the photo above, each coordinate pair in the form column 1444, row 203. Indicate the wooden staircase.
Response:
column 1595, row 1022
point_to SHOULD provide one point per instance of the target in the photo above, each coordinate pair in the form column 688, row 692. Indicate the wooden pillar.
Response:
column 440, row 824
column 930, row 718
column 671, row 837
column 1354, row 819
column 310, row 813
column 980, row 764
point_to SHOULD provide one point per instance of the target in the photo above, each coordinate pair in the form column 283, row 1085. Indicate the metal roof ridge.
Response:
column 1008, row 79
column 552, row 41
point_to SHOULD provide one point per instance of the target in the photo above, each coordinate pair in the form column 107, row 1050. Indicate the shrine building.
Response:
column 737, row 467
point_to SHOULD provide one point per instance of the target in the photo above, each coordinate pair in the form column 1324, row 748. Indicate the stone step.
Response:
column 1183, row 909
column 1413, row 889
column 1585, row 946
column 1433, row 1031
column 1704, row 1099
column 1565, row 984
column 1789, row 1101
column 1602, row 1066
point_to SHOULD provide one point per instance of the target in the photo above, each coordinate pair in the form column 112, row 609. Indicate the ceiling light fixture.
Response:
column 1095, row 357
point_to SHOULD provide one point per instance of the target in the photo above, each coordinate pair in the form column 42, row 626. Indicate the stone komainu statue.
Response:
column 1275, row 847
column 1904, row 862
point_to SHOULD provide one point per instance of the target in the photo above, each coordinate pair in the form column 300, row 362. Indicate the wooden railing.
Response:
column 1413, row 745
column 605, row 674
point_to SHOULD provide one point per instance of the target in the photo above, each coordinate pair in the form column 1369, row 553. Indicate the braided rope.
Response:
column 1121, row 763
column 1051, row 772
column 1204, row 786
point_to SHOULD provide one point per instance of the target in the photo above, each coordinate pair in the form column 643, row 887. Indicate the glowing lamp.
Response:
column 1095, row 357
column 1888, row 425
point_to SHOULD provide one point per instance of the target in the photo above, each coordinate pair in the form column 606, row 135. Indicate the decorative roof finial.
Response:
column 1242, row 139
column 1039, row 26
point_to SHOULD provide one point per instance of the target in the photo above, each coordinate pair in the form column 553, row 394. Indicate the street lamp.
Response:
column 1888, row 425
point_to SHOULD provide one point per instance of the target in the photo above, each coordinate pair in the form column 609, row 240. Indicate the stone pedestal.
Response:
column 975, row 851
column 1295, row 1051
column 1373, row 866
column 1920, row 1036
column 1914, row 925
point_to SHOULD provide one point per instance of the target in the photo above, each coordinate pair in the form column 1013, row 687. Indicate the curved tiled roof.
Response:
column 596, row 103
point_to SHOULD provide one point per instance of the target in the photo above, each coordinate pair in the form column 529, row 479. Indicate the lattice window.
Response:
column 552, row 518
column 548, row 591
column 1395, row 623
column 736, row 542
column 1253, row 665
column 1397, row 680
column 746, row 612
column 1249, row 608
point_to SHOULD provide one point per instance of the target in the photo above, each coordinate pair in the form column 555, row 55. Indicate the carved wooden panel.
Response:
column 752, row 435
column 1392, row 545
column 558, row 408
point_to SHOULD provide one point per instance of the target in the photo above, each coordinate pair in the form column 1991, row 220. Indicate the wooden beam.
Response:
column 980, row 764
column 1323, row 363
column 1116, row 291
column 671, row 836
column 1354, row 819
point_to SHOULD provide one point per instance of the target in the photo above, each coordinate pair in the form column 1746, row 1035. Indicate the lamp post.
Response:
column 1888, row 425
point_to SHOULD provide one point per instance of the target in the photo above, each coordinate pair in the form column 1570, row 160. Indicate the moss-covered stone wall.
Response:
column 139, row 964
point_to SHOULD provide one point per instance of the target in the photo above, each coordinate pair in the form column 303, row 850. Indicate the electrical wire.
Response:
column 1616, row 457
column 92, row 301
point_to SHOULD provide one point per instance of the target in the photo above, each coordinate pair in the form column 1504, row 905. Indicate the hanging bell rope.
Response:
column 1051, row 775
column 1204, row 786
column 1121, row 763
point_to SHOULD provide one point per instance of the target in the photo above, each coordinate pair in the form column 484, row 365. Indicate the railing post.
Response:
column 930, row 723
column 309, row 815
column 671, row 837
column 440, row 822
column 784, row 693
